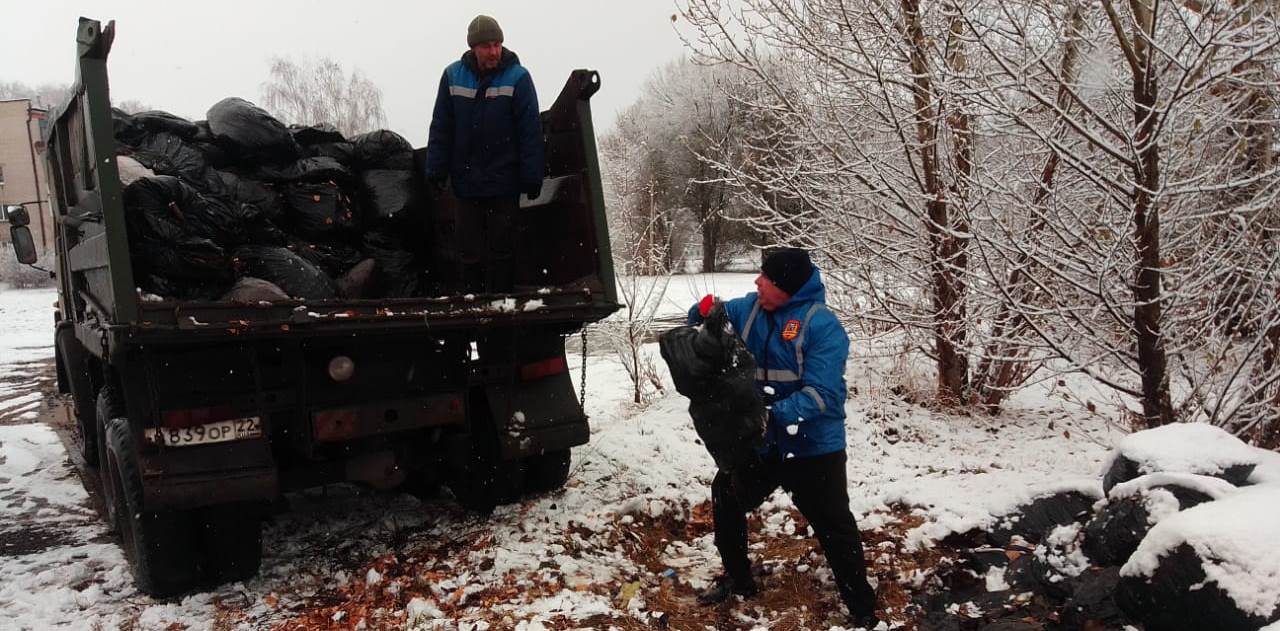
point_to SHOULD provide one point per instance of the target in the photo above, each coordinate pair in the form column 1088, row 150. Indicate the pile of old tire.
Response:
column 242, row 207
column 1179, row 535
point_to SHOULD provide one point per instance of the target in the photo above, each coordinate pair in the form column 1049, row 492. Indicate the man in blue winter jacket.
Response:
column 486, row 138
column 800, row 350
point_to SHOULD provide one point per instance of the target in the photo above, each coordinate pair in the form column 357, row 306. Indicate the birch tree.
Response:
column 317, row 91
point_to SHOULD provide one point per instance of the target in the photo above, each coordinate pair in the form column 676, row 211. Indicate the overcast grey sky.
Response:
column 184, row 56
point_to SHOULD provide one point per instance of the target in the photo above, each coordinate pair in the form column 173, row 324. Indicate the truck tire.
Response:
column 108, row 407
column 488, row 483
column 547, row 472
column 231, row 540
column 73, row 373
column 160, row 546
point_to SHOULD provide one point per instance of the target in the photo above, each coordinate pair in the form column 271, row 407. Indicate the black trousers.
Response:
column 486, row 243
column 818, row 487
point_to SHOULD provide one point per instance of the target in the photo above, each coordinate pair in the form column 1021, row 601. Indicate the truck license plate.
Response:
column 220, row 432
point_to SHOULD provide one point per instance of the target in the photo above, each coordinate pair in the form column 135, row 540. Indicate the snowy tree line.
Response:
column 1018, row 187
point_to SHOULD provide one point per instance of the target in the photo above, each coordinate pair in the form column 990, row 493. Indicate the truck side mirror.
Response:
column 23, row 245
column 16, row 215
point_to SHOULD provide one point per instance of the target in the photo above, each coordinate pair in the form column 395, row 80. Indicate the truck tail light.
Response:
column 178, row 419
column 544, row 368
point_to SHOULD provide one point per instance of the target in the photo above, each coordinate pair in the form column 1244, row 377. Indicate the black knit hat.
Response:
column 789, row 269
column 483, row 29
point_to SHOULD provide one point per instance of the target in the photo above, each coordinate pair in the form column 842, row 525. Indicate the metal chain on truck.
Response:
column 582, row 381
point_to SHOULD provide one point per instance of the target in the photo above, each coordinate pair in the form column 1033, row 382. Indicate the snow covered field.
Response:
column 622, row 546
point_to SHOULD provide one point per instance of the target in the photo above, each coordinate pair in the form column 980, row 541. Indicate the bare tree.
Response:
column 856, row 149
column 1027, row 186
column 1150, row 130
column 319, row 91
column 131, row 106
column 45, row 95
column 641, row 257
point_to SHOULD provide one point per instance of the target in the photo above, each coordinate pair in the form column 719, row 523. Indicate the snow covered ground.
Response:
column 622, row 546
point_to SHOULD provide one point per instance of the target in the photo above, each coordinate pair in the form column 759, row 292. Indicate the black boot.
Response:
column 867, row 621
column 723, row 588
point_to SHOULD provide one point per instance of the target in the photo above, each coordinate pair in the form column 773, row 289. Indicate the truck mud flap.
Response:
column 535, row 417
column 179, row 478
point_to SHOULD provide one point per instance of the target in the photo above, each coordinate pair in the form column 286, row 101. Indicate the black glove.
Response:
column 533, row 190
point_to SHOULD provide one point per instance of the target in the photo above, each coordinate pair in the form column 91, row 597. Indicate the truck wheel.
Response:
column 546, row 472
column 231, row 538
column 489, row 483
column 73, row 373
column 108, row 407
column 160, row 547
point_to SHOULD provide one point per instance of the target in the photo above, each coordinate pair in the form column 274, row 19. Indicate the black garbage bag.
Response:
column 344, row 152
column 1036, row 519
column 172, row 208
column 383, row 149
column 399, row 269
column 319, row 210
column 311, row 135
column 215, row 155
column 1179, row 596
column 288, row 271
column 1115, row 531
column 317, row 169
column 156, row 207
column 388, row 196
column 1093, row 603
column 166, row 260
column 132, row 129
column 333, row 258
column 713, row 368
column 255, row 135
column 187, row 259
column 168, row 154
column 123, row 129
column 181, row 289
column 354, row 284
column 250, row 290
column 157, row 121
column 242, row 190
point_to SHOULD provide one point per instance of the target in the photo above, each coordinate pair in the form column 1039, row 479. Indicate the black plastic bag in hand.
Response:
column 711, row 366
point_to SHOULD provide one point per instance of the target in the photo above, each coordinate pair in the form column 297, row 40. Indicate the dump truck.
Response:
column 196, row 416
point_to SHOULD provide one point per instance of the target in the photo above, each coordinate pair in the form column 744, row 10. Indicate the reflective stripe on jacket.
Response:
column 802, row 365
column 486, row 134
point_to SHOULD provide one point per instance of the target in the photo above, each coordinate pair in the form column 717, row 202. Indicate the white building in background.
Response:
column 22, row 170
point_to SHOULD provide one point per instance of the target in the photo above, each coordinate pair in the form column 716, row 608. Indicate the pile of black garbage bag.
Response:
column 713, row 368
column 241, row 207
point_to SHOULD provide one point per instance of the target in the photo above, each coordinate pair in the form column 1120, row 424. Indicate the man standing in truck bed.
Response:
column 486, row 137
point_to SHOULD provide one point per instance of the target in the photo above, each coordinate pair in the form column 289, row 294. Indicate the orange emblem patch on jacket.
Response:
column 791, row 330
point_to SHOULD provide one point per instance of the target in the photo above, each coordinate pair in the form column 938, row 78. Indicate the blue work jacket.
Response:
column 800, row 351
column 486, row 134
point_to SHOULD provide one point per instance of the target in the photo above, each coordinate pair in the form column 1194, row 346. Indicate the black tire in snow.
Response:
column 231, row 539
column 547, row 472
column 162, row 551
column 107, row 407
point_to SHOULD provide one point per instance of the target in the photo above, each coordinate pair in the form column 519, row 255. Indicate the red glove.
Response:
column 704, row 305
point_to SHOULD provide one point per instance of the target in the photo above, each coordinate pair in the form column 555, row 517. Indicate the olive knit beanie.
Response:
column 483, row 29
